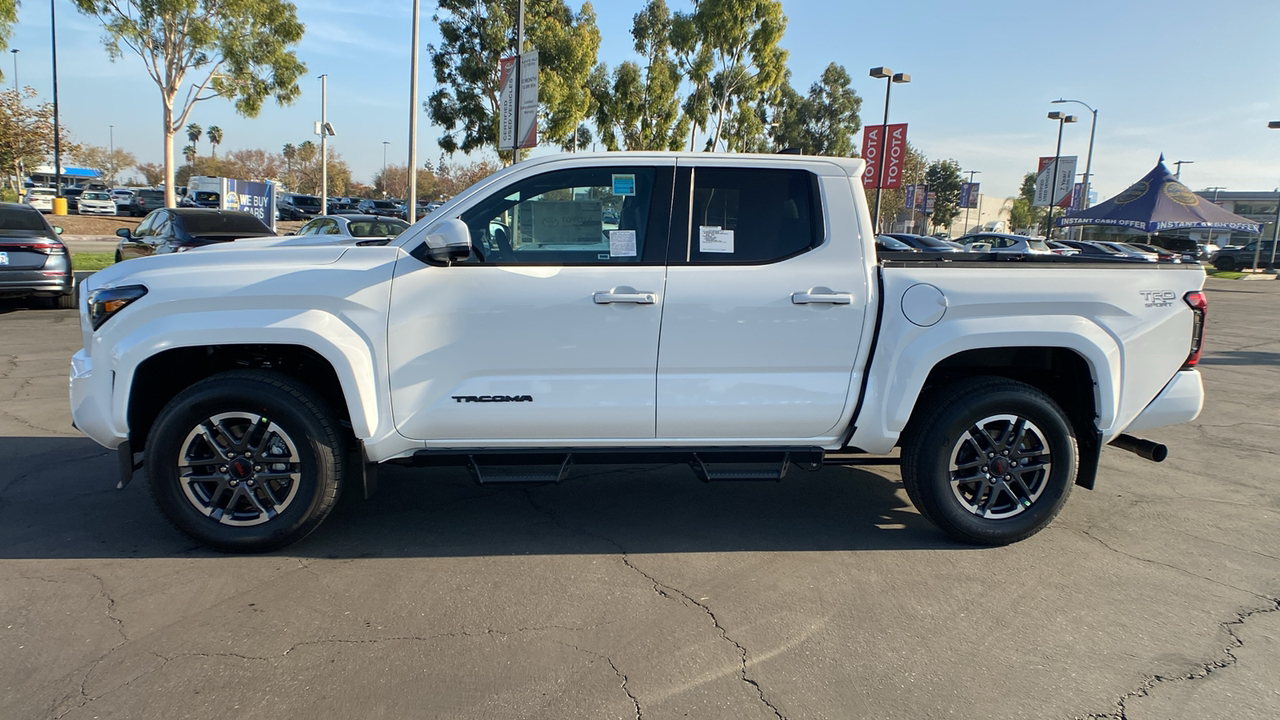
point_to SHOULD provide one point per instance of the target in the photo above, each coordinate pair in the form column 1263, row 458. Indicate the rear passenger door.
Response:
column 765, row 303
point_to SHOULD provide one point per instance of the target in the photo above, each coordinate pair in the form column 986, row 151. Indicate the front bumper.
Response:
column 91, row 401
column 97, row 210
column 1180, row 401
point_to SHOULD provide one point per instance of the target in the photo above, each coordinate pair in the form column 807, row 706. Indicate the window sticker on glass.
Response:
column 714, row 239
column 622, row 243
column 624, row 184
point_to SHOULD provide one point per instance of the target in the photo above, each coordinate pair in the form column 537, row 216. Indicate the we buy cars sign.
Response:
column 892, row 141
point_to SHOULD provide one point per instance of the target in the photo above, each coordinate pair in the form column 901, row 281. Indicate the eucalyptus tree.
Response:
column 241, row 50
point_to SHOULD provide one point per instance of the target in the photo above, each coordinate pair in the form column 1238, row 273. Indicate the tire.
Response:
column 246, row 503
column 951, row 483
column 119, row 257
column 1225, row 264
column 68, row 301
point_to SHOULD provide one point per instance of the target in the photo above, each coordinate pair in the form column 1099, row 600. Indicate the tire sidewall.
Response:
column 938, row 442
column 319, row 464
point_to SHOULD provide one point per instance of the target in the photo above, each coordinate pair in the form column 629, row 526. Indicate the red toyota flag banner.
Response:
column 894, row 141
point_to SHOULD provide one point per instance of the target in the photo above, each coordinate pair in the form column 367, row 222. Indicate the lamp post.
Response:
column 890, row 78
column 1062, row 119
column 1177, row 173
column 324, row 145
column 969, row 202
column 59, row 204
column 385, row 143
column 1088, row 161
column 411, row 203
column 15, row 67
column 1275, row 231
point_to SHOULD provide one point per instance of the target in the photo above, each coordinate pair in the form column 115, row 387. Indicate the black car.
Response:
column 1238, row 257
column 144, row 201
column 171, row 230
column 1094, row 251
column 925, row 243
column 369, row 206
column 294, row 206
column 1190, row 250
column 72, row 194
column 33, row 260
column 889, row 243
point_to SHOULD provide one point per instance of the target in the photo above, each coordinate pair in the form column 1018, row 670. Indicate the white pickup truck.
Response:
column 725, row 310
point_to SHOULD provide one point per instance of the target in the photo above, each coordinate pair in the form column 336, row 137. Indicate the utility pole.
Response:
column 58, row 203
column 411, row 202
column 515, row 135
column 15, row 68
column 324, row 145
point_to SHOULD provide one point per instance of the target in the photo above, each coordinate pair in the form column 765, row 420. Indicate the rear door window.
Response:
column 751, row 216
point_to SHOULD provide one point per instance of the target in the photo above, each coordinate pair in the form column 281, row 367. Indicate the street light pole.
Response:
column 411, row 203
column 385, row 143
column 15, row 68
column 1088, row 162
column 324, row 145
column 890, row 78
column 1062, row 119
column 1275, row 231
column 1177, row 173
column 969, row 202
column 57, row 140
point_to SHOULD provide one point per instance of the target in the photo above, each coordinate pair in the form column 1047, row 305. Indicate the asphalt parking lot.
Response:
column 629, row 594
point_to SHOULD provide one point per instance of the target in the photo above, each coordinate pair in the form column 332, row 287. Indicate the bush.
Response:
column 7, row 195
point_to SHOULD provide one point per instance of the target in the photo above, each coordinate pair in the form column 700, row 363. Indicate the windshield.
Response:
column 224, row 222
column 306, row 200
column 383, row 204
column 151, row 195
column 892, row 243
column 383, row 228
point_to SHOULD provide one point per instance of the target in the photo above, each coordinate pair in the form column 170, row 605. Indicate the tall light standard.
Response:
column 1275, row 231
column 1177, row 173
column 15, row 67
column 111, row 151
column 324, row 129
column 969, row 201
column 1062, row 119
column 385, row 143
column 411, row 203
column 1088, row 162
column 890, row 78
column 59, row 203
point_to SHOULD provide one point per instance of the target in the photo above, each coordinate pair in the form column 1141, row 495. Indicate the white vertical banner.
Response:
column 528, row 99
column 1061, row 186
column 506, row 103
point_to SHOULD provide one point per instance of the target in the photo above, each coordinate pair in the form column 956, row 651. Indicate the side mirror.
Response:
column 124, row 233
column 57, row 229
column 450, row 242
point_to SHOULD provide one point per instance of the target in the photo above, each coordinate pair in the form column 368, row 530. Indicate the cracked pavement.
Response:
column 636, row 594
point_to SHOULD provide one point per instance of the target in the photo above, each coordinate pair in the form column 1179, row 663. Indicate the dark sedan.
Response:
column 369, row 206
column 171, row 230
column 143, row 202
column 926, row 243
column 33, row 260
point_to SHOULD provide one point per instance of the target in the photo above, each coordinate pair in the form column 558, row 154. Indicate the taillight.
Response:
column 1199, row 307
column 48, row 248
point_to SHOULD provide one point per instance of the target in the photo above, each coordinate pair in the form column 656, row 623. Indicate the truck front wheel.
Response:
column 990, row 461
column 245, row 461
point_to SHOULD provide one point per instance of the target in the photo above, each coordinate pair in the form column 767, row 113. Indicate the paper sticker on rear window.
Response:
column 622, row 243
column 714, row 239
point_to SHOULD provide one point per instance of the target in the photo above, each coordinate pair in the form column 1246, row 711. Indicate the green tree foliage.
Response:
column 153, row 173
column 1023, row 215
column 893, row 202
column 26, row 132
column 307, row 171
column 826, row 121
column 476, row 34
column 194, row 132
column 107, row 161
column 238, row 49
column 730, row 54
column 639, row 108
column 215, row 138
column 943, row 177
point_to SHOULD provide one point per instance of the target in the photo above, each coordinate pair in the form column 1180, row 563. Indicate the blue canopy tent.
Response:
column 1159, row 203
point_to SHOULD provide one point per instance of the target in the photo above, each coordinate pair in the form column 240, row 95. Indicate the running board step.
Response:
column 716, row 467
column 536, row 469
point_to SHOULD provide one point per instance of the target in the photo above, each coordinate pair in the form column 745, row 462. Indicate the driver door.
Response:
column 548, row 333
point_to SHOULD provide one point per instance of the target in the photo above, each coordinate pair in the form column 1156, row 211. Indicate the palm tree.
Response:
column 193, row 133
column 189, row 152
column 290, row 152
column 215, row 138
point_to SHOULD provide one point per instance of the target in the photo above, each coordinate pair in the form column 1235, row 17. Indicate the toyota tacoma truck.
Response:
column 728, row 311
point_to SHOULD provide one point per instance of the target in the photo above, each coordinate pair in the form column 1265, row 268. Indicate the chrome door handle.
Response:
column 625, row 294
column 822, row 295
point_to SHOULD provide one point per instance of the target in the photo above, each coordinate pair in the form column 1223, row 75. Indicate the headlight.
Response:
column 106, row 302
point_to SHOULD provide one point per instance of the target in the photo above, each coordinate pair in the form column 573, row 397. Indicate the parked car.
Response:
column 369, row 206
column 144, row 201
column 201, row 199
column 96, row 202
column 349, row 229
column 172, row 230
column 1003, row 243
column 1189, row 250
column 295, row 206
column 889, row 243
column 1059, row 248
column 33, row 260
column 260, row 384
column 121, row 196
column 1162, row 255
column 925, row 243
column 1130, row 251
column 1093, row 250
column 40, row 198
column 342, row 205
column 1238, row 257
column 72, row 194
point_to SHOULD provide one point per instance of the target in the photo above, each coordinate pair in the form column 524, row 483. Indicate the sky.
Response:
column 1195, row 81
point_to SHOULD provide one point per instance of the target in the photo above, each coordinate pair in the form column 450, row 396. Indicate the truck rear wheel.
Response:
column 245, row 461
column 990, row 461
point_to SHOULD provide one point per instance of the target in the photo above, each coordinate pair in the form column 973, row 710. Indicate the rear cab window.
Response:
column 750, row 216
